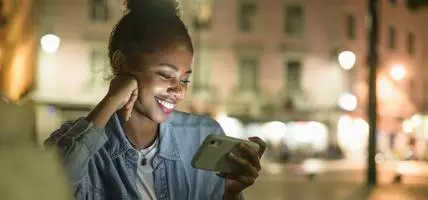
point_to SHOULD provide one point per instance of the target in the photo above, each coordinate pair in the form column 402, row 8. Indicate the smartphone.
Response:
column 212, row 155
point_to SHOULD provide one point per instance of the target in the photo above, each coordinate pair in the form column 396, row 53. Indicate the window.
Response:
column 410, row 43
column 293, row 77
column 247, row 16
column 413, row 88
column 99, row 10
column 294, row 22
column 248, row 74
column 3, row 21
column 3, row 17
column 203, row 17
column 412, row 84
column 201, row 76
column 392, row 36
column 350, row 27
column 99, row 68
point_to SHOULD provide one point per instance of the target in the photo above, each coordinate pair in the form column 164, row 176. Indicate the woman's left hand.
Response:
column 249, row 167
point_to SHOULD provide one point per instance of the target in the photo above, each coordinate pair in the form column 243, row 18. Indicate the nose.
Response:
column 176, row 90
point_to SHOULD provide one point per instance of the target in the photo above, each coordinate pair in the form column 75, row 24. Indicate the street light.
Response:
column 347, row 59
column 348, row 101
column 50, row 43
column 398, row 72
column 408, row 126
column 416, row 120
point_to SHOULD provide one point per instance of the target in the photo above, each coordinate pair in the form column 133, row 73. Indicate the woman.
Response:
column 133, row 145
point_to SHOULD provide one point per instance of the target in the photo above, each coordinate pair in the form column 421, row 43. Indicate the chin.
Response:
column 160, row 118
column 155, row 113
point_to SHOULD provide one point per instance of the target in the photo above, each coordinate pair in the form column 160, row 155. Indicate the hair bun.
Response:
column 153, row 6
column 133, row 4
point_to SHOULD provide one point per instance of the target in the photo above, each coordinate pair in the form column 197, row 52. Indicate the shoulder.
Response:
column 183, row 119
column 190, row 129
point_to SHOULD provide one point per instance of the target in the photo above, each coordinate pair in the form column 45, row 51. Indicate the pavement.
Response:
column 339, row 180
column 315, row 190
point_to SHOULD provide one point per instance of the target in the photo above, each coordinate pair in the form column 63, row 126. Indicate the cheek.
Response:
column 185, row 89
column 160, row 86
column 153, row 88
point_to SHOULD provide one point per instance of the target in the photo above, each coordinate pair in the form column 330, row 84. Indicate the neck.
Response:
column 140, row 130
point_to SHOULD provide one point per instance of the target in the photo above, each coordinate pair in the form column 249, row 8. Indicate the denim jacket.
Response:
column 102, row 164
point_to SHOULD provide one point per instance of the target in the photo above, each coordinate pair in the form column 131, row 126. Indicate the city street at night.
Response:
column 214, row 99
column 284, row 181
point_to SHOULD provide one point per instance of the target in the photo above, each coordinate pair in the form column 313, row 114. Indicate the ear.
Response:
column 119, row 62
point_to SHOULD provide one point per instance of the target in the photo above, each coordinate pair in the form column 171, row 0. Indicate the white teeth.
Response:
column 166, row 104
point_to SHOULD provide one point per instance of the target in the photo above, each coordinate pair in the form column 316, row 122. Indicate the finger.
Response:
column 223, row 175
column 244, row 179
column 251, row 155
column 132, row 100
column 128, row 114
column 130, row 104
column 134, row 82
column 261, row 144
column 128, row 109
column 244, row 164
column 247, row 180
column 131, row 80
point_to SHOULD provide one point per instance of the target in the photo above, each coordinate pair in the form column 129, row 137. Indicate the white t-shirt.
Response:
column 145, row 178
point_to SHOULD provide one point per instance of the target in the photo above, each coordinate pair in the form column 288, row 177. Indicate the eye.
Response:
column 164, row 76
column 185, row 82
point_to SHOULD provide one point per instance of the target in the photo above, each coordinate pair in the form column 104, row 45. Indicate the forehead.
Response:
column 177, row 55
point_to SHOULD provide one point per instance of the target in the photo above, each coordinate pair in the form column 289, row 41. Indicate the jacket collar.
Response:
column 118, row 143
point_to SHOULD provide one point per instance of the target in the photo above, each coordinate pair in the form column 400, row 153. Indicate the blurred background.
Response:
column 293, row 72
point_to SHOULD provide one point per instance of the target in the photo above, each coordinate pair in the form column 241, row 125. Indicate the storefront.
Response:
column 404, row 139
column 306, row 138
column 417, row 131
column 352, row 136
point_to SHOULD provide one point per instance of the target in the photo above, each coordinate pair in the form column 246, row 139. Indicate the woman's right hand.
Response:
column 123, row 91
column 122, row 94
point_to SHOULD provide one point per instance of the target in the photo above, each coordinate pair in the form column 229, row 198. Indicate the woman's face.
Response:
column 163, row 79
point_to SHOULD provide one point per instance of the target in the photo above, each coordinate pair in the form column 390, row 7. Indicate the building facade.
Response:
column 74, row 77
column 270, row 60
column 278, row 60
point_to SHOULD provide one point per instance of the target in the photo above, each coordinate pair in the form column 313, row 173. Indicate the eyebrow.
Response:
column 173, row 67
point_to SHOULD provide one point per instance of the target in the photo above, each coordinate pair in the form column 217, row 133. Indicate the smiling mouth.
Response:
column 166, row 106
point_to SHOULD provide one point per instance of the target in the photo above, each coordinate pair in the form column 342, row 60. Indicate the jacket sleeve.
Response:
column 77, row 142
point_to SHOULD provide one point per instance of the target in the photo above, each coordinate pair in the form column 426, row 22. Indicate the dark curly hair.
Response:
column 146, row 27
